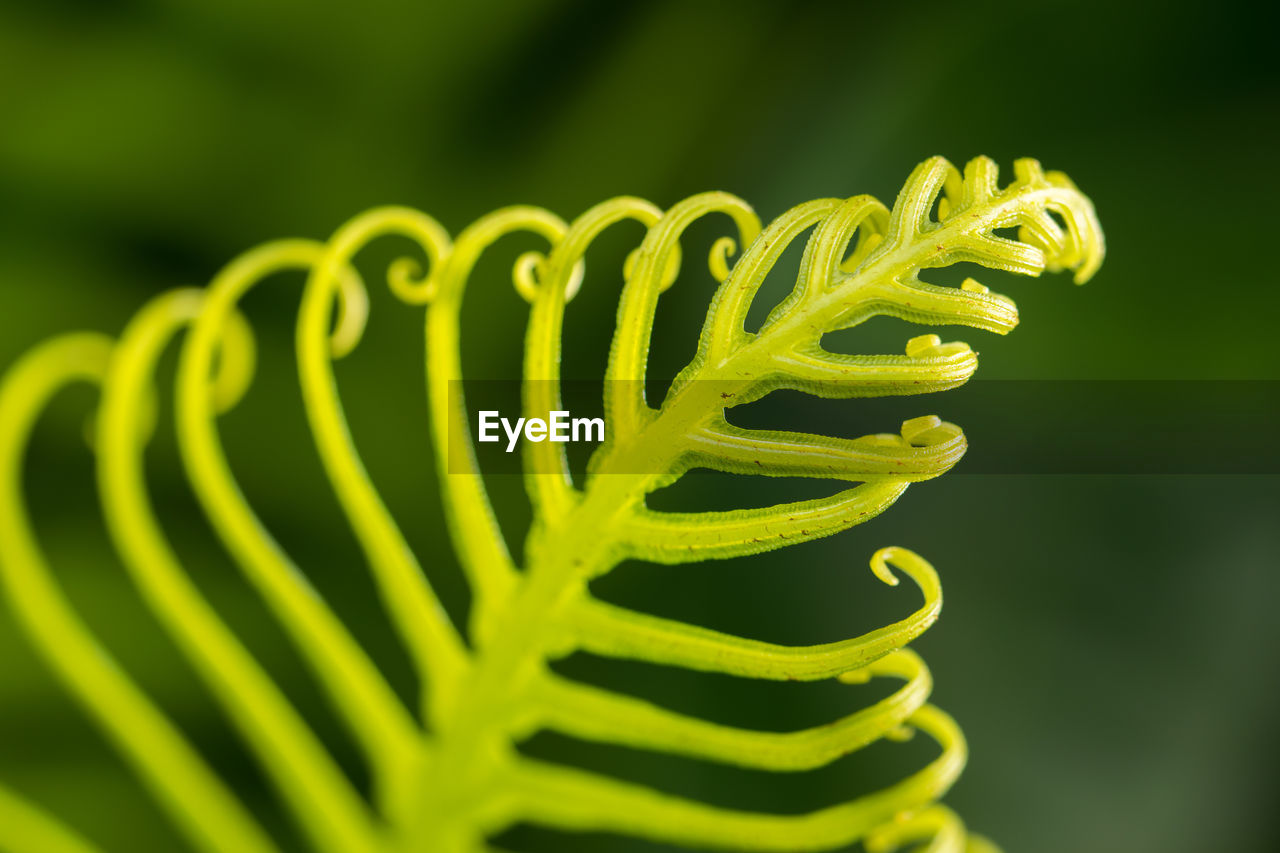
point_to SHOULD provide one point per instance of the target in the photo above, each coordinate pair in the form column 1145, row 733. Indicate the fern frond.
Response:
column 447, row 775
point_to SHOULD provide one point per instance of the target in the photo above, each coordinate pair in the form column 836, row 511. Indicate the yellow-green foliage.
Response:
column 446, row 775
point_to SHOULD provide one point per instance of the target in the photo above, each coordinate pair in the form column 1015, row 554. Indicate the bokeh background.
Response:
column 1109, row 641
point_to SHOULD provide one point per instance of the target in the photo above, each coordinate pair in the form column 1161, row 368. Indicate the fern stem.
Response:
column 196, row 799
column 599, row 715
column 357, row 689
column 724, row 447
column 322, row 799
column 624, row 405
column 612, row 631
column 580, row 801
column 24, row 828
column 484, row 555
column 547, row 477
column 433, row 642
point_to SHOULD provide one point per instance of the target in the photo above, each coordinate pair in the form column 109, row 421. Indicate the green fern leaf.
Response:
column 447, row 775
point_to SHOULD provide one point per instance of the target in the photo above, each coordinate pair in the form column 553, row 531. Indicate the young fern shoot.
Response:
column 448, row 775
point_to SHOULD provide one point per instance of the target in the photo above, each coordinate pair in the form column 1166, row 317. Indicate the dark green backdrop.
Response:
column 1109, row 642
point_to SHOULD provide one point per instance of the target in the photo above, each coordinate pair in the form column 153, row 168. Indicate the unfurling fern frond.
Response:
column 447, row 775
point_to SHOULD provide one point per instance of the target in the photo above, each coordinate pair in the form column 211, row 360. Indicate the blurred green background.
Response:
column 1109, row 642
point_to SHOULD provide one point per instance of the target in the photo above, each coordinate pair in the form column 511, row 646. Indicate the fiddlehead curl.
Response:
column 718, row 260
column 531, row 268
